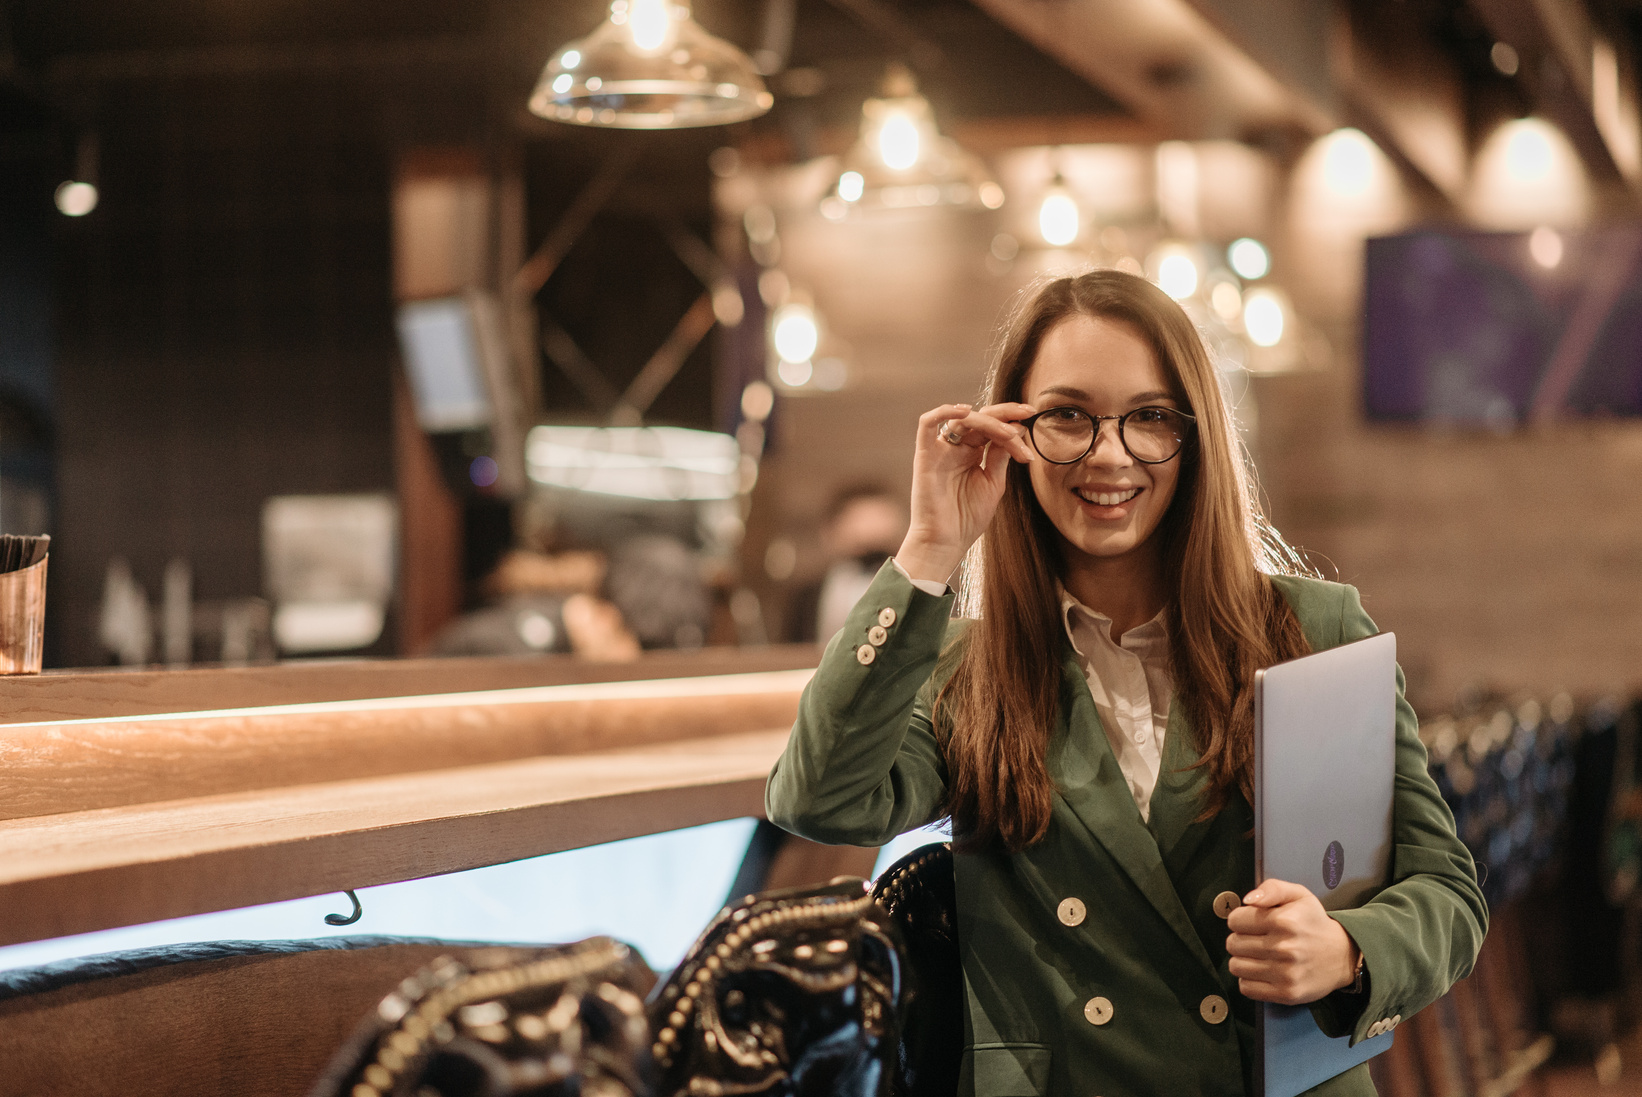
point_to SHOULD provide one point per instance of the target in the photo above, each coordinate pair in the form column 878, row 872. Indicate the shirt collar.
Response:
column 1075, row 614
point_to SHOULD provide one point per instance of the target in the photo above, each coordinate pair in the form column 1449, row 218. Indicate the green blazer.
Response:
column 864, row 765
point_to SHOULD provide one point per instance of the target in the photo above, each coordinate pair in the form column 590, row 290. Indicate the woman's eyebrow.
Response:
column 1136, row 400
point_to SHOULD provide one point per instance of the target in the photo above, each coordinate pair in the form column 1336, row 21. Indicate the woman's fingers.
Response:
column 1275, row 893
column 963, row 425
column 1256, row 947
column 930, row 421
column 1283, row 946
column 1251, row 972
column 955, row 489
column 1268, row 980
column 1281, row 992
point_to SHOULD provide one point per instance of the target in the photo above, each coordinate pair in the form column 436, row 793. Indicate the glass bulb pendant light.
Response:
column 1058, row 217
column 901, row 160
column 650, row 66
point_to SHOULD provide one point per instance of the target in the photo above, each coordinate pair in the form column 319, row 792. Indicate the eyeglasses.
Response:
column 1065, row 435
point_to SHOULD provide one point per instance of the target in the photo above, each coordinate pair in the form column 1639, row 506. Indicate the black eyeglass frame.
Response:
column 1031, row 421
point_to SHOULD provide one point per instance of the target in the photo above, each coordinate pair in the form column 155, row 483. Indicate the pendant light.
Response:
column 1176, row 267
column 902, row 161
column 1059, row 219
column 77, row 197
column 650, row 66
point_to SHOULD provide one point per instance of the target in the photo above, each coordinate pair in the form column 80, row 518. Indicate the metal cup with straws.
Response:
column 22, row 602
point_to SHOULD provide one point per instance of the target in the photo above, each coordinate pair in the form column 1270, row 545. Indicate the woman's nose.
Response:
column 1108, row 449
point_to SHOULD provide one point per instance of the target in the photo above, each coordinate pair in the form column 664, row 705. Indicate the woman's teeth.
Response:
column 1108, row 499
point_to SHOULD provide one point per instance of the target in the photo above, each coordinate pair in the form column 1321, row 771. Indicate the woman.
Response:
column 1090, row 735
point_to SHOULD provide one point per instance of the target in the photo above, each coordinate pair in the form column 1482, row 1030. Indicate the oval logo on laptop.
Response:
column 1334, row 865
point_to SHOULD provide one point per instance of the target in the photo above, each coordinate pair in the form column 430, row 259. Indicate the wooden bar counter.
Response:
column 132, row 797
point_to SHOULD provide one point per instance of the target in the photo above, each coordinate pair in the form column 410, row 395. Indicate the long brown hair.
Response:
column 1225, row 620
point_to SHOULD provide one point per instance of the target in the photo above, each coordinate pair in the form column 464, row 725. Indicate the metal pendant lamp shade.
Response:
column 901, row 160
column 650, row 66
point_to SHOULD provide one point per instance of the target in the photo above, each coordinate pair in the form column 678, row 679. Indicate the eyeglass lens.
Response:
column 1151, row 435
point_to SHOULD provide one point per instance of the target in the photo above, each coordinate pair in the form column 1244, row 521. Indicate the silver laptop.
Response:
column 1324, row 742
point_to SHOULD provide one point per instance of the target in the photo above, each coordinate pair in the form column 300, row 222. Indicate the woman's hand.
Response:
column 956, row 486
column 1286, row 949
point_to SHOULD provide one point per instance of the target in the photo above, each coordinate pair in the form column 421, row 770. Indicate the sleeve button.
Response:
column 865, row 654
column 1071, row 911
column 886, row 617
column 876, row 635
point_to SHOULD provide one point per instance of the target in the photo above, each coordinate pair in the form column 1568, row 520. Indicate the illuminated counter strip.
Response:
column 79, row 765
column 80, row 871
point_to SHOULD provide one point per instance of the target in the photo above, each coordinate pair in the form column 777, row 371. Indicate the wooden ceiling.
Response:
column 1268, row 71
column 972, row 65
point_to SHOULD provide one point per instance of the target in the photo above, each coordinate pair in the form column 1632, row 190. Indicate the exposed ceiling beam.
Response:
column 1239, row 68
column 993, row 135
column 882, row 19
column 1169, row 63
column 1408, row 94
column 986, row 136
column 1384, row 75
column 1580, row 77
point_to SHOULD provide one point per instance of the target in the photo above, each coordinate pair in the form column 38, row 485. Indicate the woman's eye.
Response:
column 1150, row 415
column 1063, row 415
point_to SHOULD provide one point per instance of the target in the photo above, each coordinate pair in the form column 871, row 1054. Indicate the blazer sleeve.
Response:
column 1421, row 933
column 862, row 764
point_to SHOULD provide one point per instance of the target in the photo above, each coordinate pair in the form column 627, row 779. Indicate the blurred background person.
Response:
column 647, row 594
column 861, row 527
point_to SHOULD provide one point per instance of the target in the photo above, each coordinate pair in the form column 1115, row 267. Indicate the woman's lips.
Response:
column 1109, row 497
column 1107, row 504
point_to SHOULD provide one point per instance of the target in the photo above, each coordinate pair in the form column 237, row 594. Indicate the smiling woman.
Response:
column 1105, row 501
column 1188, row 547
column 1089, row 731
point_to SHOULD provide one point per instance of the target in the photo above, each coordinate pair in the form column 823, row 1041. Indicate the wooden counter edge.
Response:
column 272, row 845
column 101, row 693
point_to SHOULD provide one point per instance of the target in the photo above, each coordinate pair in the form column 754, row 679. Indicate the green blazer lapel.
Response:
column 1093, row 787
column 1175, row 800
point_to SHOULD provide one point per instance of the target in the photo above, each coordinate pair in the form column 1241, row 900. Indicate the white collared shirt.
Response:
column 1129, row 681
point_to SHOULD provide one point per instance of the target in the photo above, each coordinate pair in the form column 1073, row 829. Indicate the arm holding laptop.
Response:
column 1286, row 949
column 1415, row 938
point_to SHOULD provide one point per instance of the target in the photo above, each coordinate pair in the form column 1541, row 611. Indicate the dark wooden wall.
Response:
column 224, row 325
